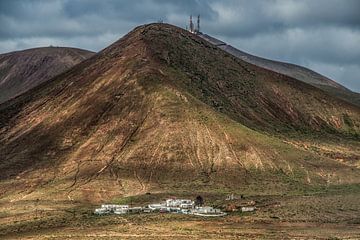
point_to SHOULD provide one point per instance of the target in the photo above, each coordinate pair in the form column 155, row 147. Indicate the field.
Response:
column 319, row 213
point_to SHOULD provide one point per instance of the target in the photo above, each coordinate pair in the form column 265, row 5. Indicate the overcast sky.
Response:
column 323, row 35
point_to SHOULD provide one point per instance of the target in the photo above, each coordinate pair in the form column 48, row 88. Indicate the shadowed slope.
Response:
column 22, row 70
column 164, row 109
column 298, row 72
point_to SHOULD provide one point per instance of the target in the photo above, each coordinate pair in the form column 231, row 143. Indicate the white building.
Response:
column 208, row 212
column 135, row 210
column 111, row 208
column 101, row 211
column 182, row 203
column 147, row 210
column 121, row 209
column 248, row 209
column 185, row 211
column 156, row 206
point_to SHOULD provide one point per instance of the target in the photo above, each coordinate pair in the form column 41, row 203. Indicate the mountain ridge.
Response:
column 22, row 70
column 292, row 70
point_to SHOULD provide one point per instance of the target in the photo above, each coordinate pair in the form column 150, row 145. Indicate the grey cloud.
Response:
column 86, row 18
column 242, row 18
column 328, row 45
column 321, row 34
column 349, row 74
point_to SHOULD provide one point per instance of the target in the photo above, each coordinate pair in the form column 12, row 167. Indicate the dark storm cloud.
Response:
column 69, row 18
column 320, row 34
column 270, row 16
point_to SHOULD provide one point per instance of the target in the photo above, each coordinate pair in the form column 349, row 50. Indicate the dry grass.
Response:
column 320, row 214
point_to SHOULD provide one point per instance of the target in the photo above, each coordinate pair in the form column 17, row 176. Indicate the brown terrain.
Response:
column 23, row 70
column 163, row 111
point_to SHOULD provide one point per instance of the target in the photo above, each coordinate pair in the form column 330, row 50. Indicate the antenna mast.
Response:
column 191, row 24
column 198, row 23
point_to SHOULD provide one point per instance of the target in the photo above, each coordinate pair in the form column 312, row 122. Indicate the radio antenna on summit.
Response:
column 198, row 23
column 191, row 24
column 191, row 27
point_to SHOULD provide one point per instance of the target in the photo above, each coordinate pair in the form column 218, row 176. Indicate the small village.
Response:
column 170, row 205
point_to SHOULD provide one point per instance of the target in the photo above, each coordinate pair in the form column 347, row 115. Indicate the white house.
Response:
column 248, row 209
column 121, row 209
column 208, row 212
column 112, row 208
column 135, row 209
column 156, row 206
column 101, row 211
column 182, row 203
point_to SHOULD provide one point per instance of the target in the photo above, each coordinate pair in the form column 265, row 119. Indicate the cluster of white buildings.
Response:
column 172, row 205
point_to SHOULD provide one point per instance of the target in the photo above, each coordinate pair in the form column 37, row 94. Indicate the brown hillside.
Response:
column 163, row 109
column 22, row 70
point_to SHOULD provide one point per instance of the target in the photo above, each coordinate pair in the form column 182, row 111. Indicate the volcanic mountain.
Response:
column 22, row 70
column 297, row 72
column 164, row 110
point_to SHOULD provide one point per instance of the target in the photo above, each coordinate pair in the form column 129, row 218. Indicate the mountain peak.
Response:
column 160, row 107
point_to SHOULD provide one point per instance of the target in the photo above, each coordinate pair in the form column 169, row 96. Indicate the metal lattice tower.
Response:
column 191, row 24
column 198, row 23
